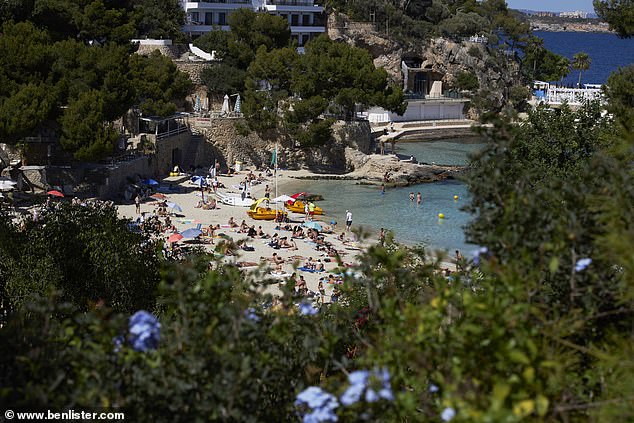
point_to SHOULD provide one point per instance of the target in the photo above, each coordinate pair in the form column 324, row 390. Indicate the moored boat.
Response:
column 298, row 207
column 235, row 200
column 261, row 210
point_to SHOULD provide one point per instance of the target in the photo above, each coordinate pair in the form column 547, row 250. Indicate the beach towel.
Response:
column 306, row 269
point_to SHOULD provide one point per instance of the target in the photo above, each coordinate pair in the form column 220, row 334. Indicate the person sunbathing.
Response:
column 261, row 233
column 309, row 264
column 244, row 228
column 278, row 261
column 252, row 233
column 319, row 266
column 232, row 223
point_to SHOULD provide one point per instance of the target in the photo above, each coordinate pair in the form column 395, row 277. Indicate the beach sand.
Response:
column 191, row 216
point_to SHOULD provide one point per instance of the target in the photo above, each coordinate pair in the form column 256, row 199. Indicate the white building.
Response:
column 577, row 14
column 305, row 18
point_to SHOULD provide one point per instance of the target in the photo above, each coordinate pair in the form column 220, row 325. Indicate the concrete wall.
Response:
column 418, row 110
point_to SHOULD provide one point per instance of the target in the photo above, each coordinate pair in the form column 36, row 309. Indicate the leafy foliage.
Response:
column 467, row 81
column 86, row 252
column 541, row 64
column 618, row 13
column 67, row 58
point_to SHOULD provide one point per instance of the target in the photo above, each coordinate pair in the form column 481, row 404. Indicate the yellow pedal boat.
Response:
column 298, row 207
column 261, row 210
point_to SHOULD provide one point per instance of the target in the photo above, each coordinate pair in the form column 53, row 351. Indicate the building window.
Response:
column 294, row 20
column 194, row 17
column 209, row 18
column 222, row 18
column 305, row 38
column 306, row 20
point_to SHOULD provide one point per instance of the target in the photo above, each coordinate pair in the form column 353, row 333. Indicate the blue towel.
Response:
column 306, row 269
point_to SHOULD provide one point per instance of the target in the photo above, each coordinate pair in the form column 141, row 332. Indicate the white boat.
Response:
column 234, row 200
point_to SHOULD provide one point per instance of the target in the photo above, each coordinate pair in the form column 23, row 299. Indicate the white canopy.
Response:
column 283, row 199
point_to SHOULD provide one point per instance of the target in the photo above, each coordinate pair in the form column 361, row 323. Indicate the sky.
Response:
column 552, row 5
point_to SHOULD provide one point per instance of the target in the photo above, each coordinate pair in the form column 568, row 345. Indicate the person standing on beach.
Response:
column 137, row 203
column 267, row 192
column 348, row 220
column 419, row 199
column 382, row 237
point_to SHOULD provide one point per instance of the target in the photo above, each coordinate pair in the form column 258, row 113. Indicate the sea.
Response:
column 411, row 224
column 415, row 225
column 607, row 52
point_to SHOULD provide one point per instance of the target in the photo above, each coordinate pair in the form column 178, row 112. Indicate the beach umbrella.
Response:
column 198, row 180
column 313, row 225
column 283, row 199
column 225, row 106
column 298, row 195
column 150, row 182
column 238, row 107
column 175, row 238
column 191, row 233
column 158, row 196
column 174, row 206
column 55, row 193
column 7, row 184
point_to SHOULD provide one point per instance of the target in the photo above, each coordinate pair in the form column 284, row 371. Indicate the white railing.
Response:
column 574, row 96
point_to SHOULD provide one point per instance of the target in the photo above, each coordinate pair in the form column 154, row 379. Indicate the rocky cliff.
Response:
column 496, row 71
column 229, row 143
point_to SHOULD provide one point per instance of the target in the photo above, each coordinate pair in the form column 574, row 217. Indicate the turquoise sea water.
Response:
column 394, row 211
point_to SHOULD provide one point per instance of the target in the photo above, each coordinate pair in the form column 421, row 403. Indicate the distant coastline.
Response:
column 602, row 27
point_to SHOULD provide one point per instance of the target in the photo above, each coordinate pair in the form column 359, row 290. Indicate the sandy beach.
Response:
column 191, row 216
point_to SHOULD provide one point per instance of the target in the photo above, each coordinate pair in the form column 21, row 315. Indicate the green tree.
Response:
column 620, row 93
column 618, row 13
column 159, row 84
column 251, row 30
column 467, row 81
column 581, row 62
column 85, row 131
column 541, row 64
column 216, row 40
column 159, row 19
column 86, row 252
column 223, row 78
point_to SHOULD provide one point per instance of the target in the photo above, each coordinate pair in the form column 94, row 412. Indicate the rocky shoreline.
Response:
column 570, row 27
column 372, row 169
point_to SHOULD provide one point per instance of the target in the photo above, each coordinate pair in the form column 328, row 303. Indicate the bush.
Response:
column 467, row 81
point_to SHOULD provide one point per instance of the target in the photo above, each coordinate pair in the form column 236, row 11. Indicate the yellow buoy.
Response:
column 455, row 197
column 441, row 215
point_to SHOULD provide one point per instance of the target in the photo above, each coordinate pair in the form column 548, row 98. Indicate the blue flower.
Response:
column 307, row 309
column 321, row 403
column 433, row 388
column 582, row 264
column 251, row 315
column 477, row 253
column 118, row 343
column 448, row 414
column 352, row 394
column 359, row 382
column 145, row 331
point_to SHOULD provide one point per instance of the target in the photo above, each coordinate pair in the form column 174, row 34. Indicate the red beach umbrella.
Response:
column 175, row 238
column 55, row 193
column 158, row 196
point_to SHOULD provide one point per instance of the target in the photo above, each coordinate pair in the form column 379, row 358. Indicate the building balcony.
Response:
column 229, row 5
column 308, row 8
column 303, row 29
column 201, row 28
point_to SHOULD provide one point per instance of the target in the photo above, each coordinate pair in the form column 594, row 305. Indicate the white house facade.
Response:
column 305, row 18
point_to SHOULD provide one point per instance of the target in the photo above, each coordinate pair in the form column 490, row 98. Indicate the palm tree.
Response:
column 563, row 68
column 581, row 62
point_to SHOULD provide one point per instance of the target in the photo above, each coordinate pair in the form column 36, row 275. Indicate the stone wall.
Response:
column 192, row 69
